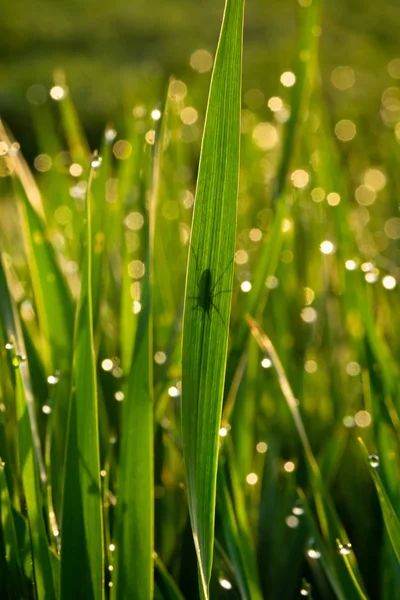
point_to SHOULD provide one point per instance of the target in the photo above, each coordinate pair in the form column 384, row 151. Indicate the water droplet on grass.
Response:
column 224, row 583
column 96, row 162
column 110, row 135
column 297, row 508
column 18, row 360
column 314, row 554
column 373, row 460
column 345, row 549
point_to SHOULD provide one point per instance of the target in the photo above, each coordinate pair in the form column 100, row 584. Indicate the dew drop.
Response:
column 9, row 346
column 2, row 465
column 305, row 588
column 297, row 508
column 46, row 409
column 224, row 583
column 174, row 392
column 52, row 379
column 110, row 134
column 345, row 549
column 18, row 360
column 373, row 460
column 96, row 162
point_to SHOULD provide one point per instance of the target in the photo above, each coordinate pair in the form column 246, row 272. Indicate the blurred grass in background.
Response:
column 101, row 239
column 120, row 53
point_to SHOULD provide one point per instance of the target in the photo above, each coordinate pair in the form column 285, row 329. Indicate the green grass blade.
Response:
column 390, row 517
column 82, row 527
column 31, row 483
column 320, row 547
column 134, row 573
column 13, row 331
column 237, row 550
column 14, row 569
column 77, row 143
column 331, row 526
column 168, row 586
column 100, row 228
column 206, row 317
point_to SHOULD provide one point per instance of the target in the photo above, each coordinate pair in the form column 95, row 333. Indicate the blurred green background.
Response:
column 121, row 53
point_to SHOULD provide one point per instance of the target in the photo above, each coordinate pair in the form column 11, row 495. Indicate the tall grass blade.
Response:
column 134, row 575
column 31, row 483
column 82, row 527
column 209, row 281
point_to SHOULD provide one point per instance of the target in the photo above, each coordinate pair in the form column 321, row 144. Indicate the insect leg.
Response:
column 222, row 274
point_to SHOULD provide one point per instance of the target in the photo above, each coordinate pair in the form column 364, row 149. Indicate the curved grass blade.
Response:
column 209, row 281
column 82, row 526
column 53, row 304
column 331, row 526
column 31, row 483
column 168, row 586
column 13, row 331
column 390, row 517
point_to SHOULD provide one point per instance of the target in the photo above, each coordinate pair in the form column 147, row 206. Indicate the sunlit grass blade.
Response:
column 53, row 304
column 77, row 143
column 13, row 331
column 134, row 520
column 390, row 517
column 82, row 527
column 134, row 572
column 31, row 483
column 208, row 285
column 100, row 226
column 129, row 174
column 52, row 298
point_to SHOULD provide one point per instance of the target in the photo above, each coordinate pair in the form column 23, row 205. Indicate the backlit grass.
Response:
column 199, row 387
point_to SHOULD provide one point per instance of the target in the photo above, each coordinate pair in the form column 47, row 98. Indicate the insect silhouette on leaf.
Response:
column 207, row 293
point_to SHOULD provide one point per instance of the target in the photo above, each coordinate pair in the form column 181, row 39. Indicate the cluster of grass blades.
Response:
column 154, row 441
